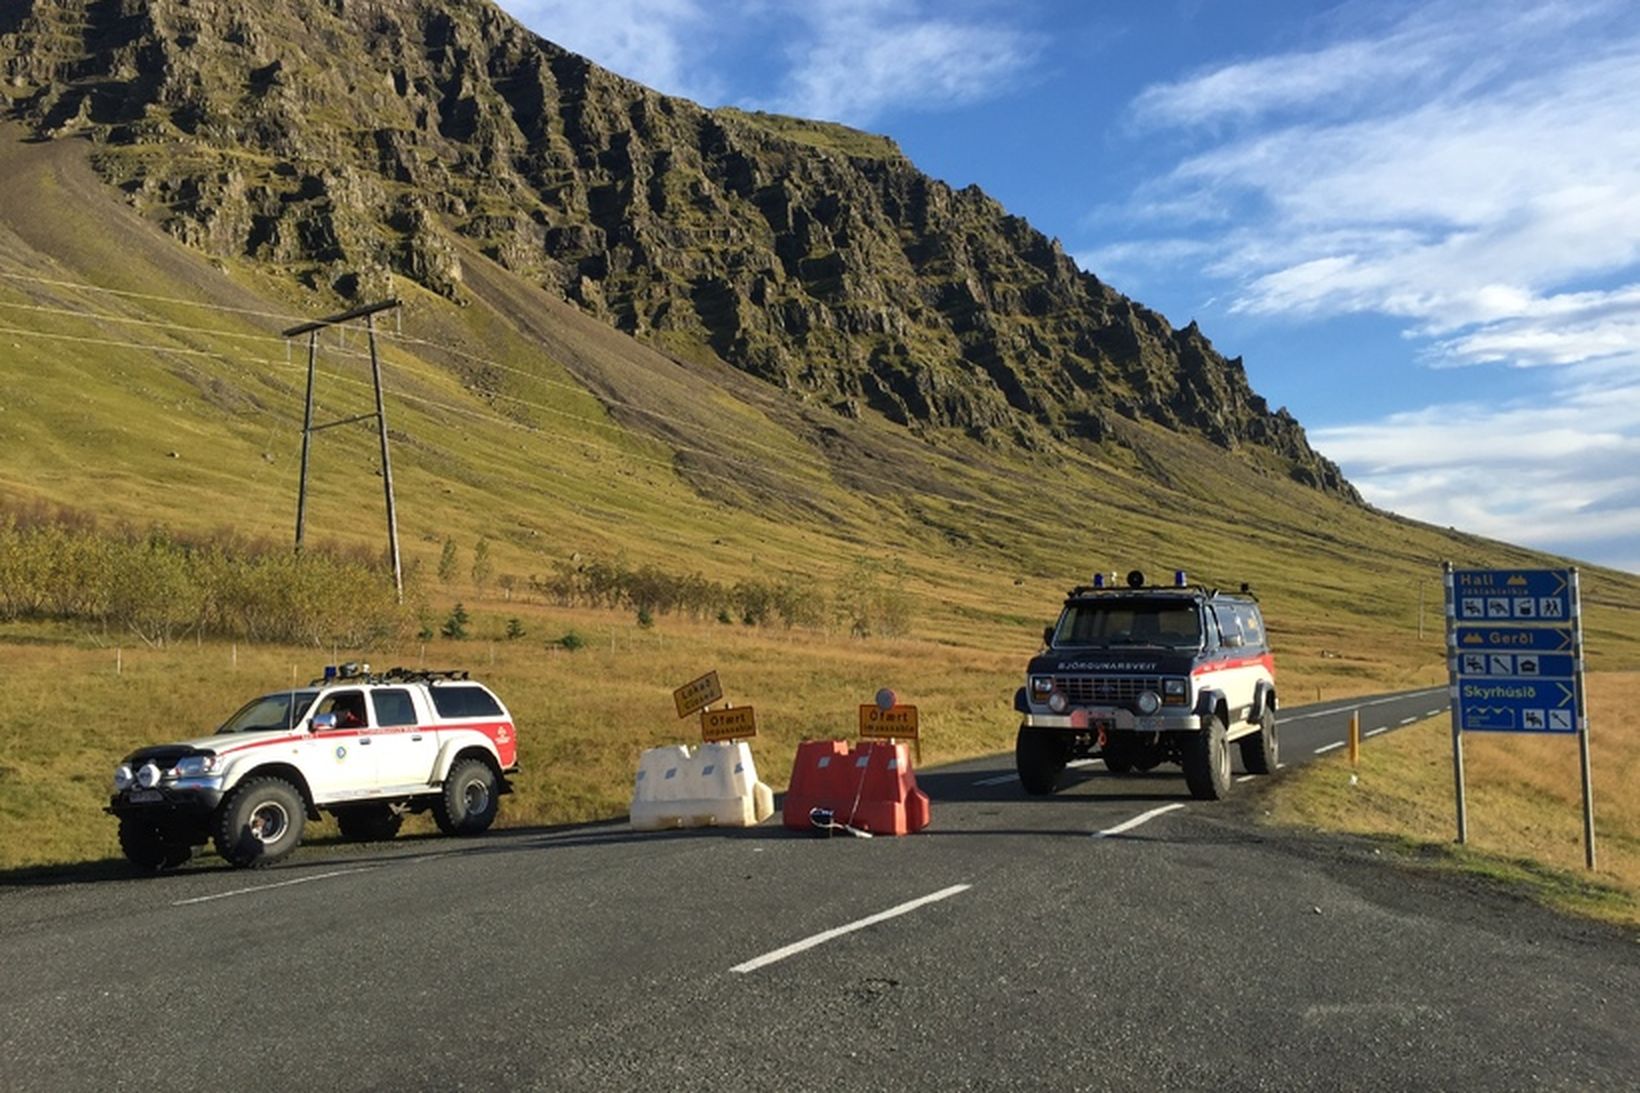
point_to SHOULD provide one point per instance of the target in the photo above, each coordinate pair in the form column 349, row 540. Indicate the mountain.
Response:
column 725, row 345
column 347, row 140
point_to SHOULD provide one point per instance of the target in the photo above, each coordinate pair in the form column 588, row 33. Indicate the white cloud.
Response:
column 838, row 60
column 651, row 41
column 1560, row 475
column 860, row 58
column 1473, row 171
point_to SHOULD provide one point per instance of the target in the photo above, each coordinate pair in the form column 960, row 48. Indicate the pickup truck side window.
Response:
column 455, row 702
column 394, row 707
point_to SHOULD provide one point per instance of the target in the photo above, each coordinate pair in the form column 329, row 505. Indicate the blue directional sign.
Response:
column 1520, row 595
column 1524, row 665
column 1517, row 705
column 1522, row 639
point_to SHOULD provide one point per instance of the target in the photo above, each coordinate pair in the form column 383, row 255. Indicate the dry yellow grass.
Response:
column 1524, row 801
column 584, row 716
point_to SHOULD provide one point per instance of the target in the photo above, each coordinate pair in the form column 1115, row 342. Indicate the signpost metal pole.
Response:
column 1583, row 723
column 1452, row 694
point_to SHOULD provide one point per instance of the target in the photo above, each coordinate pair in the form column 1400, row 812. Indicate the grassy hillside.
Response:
column 145, row 383
column 1524, row 798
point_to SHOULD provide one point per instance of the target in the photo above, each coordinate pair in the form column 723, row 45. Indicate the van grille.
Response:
column 1105, row 690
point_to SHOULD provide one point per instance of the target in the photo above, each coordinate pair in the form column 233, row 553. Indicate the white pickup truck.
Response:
column 366, row 748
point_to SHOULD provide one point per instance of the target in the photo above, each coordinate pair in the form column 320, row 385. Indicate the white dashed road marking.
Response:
column 1142, row 818
column 270, row 887
column 1379, row 729
column 1408, row 720
column 1329, row 747
column 821, row 938
column 1245, row 778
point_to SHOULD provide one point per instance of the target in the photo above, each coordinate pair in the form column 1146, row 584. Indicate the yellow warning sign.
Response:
column 697, row 694
column 734, row 723
column 894, row 723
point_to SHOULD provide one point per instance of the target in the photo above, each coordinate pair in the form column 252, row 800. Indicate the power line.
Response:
column 820, row 468
column 87, row 287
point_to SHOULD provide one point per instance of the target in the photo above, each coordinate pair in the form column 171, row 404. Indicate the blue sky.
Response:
column 1419, row 224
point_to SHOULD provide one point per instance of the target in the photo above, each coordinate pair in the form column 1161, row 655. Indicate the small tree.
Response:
column 515, row 629
column 447, row 562
column 481, row 564
column 456, row 625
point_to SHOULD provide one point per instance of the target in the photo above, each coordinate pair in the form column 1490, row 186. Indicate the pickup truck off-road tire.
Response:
column 1207, row 762
column 1259, row 751
column 467, row 805
column 1040, row 757
column 149, row 847
column 259, row 823
column 372, row 823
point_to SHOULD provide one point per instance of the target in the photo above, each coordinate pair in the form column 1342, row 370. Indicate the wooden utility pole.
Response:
column 311, row 329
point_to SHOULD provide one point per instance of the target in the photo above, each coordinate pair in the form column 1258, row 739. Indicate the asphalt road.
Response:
column 1009, row 946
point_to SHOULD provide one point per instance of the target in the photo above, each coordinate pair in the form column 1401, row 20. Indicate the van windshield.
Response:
column 276, row 711
column 1162, row 624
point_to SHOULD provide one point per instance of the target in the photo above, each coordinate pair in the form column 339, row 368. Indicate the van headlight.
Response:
column 1148, row 702
column 1057, row 702
column 1041, row 688
column 148, row 776
column 123, row 777
column 1175, row 692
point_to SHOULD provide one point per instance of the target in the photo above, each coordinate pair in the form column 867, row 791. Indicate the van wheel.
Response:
column 1259, row 751
column 468, row 803
column 260, row 823
column 1040, row 757
column 1207, row 762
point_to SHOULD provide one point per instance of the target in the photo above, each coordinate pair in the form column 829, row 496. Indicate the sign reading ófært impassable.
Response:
column 894, row 723
column 731, row 723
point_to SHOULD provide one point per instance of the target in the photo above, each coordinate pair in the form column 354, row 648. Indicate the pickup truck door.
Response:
column 405, row 747
column 338, row 754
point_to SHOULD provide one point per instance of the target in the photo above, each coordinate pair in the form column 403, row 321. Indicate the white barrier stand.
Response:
column 713, row 785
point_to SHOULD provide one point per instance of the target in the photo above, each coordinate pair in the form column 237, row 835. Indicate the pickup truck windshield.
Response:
column 276, row 711
column 1164, row 624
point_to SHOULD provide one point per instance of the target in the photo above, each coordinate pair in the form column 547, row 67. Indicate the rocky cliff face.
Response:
column 345, row 139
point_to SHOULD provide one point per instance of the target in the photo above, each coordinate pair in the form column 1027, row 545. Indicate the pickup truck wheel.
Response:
column 1039, row 756
column 468, row 803
column 368, row 823
column 260, row 823
column 1259, row 751
column 150, row 847
column 1207, row 762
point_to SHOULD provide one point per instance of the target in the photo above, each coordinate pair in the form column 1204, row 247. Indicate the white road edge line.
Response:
column 1329, row 747
column 270, row 887
column 1379, row 729
column 1346, row 707
column 1408, row 720
column 871, row 920
column 1142, row 818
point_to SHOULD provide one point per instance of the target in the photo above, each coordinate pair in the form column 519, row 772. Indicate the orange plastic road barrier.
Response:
column 871, row 787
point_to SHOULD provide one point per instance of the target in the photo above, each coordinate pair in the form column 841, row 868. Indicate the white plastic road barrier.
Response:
column 715, row 784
